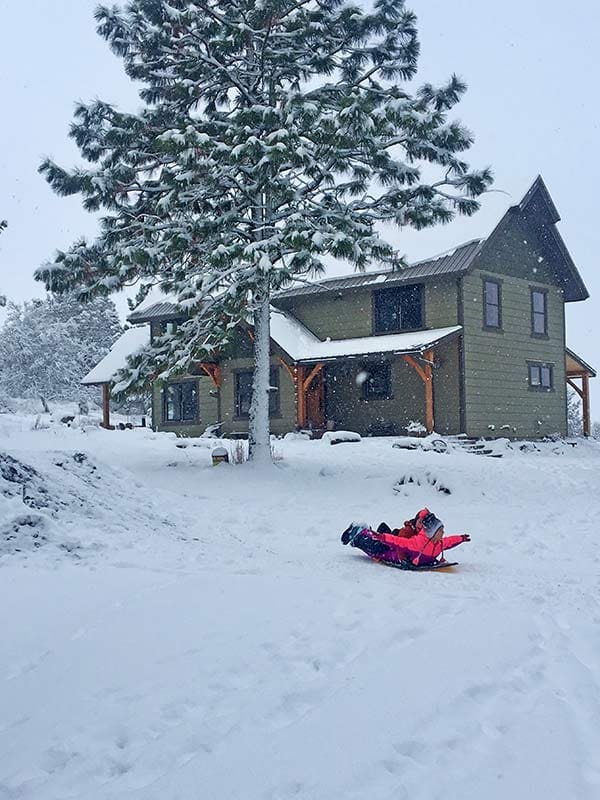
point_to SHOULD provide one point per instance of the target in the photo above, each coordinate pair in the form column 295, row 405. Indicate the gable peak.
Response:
column 539, row 190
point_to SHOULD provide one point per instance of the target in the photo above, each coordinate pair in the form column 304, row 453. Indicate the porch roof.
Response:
column 576, row 365
column 127, row 344
column 304, row 347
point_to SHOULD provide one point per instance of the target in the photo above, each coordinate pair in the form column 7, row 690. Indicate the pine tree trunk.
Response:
column 259, row 432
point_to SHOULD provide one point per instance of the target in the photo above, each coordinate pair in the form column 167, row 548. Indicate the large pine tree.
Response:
column 273, row 133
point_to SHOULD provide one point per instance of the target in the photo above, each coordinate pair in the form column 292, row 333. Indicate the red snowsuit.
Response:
column 418, row 549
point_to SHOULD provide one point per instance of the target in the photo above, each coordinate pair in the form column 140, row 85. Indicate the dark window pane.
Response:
column 378, row 383
column 173, row 403
column 534, row 375
column 539, row 312
column 539, row 302
column 274, row 392
column 189, row 401
column 491, row 301
column 491, row 293
column 546, row 377
column 243, row 392
column 398, row 309
column 181, row 402
column 539, row 323
column 492, row 316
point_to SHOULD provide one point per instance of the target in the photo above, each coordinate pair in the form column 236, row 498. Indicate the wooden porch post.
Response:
column 106, row 406
column 584, row 392
column 425, row 372
column 587, row 422
column 301, row 395
column 303, row 382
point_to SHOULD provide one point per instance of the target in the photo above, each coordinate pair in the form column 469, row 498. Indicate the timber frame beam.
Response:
column 304, row 379
column 584, row 393
column 425, row 371
column 213, row 371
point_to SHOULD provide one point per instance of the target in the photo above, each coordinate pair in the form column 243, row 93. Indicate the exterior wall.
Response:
column 499, row 401
column 446, row 389
column 345, row 406
column 349, row 315
column 282, row 423
column 208, row 407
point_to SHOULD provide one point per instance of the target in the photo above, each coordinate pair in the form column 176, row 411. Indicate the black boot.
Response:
column 384, row 528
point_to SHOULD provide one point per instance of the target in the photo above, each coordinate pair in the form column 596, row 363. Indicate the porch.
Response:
column 377, row 385
column 578, row 378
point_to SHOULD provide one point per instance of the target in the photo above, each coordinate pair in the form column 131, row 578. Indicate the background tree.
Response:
column 3, row 226
column 273, row 133
column 574, row 413
column 48, row 346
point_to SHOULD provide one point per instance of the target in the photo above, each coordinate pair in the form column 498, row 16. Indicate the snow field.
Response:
column 211, row 638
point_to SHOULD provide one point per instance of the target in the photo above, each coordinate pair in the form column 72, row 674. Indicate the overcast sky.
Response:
column 533, row 72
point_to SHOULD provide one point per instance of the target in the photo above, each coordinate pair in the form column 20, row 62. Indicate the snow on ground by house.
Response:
column 204, row 633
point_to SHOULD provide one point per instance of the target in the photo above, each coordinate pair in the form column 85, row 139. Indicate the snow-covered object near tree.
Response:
column 339, row 437
column 273, row 135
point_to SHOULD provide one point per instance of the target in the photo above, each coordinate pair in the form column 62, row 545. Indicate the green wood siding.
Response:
column 499, row 401
column 284, row 422
column 446, row 388
column 441, row 303
column 208, row 409
column 340, row 316
column 346, row 407
column 349, row 315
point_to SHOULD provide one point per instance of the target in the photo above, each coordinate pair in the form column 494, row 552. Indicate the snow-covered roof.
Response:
column 303, row 346
column 126, row 345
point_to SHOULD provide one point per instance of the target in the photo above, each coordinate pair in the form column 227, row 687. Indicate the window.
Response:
column 539, row 312
column 243, row 392
column 399, row 309
column 180, row 402
column 492, row 305
column 541, row 377
column 378, row 382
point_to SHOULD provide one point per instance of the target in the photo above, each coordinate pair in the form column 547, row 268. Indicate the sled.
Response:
column 407, row 566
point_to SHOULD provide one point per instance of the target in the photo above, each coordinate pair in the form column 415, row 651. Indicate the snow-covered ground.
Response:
column 174, row 631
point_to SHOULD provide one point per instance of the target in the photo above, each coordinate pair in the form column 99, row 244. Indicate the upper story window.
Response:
column 492, row 305
column 378, row 381
column 180, row 402
column 541, row 377
column 243, row 392
column 398, row 309
column 539, row 312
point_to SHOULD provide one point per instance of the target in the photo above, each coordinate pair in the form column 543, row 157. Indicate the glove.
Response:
column 466, row 537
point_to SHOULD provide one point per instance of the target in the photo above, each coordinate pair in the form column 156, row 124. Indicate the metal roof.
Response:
column 586, row 367
column 455, row 261
column 157, row 311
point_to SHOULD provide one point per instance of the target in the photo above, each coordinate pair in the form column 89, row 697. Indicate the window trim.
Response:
column 273, row 370
column 379, row 292
column 540, row 365
column 544, row 292
column 388, row 395
column 492, row 328
column 192, row 420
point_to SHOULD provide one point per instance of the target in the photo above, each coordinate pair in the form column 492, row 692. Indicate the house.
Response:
column 472, row 341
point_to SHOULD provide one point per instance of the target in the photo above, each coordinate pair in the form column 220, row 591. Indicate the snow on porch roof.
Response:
column 126, row 345
column 303, row 346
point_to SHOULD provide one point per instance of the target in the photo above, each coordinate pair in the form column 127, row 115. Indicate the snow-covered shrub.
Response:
column 415, row 428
